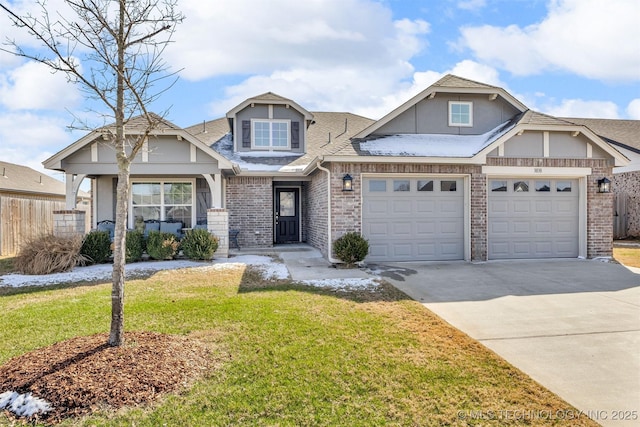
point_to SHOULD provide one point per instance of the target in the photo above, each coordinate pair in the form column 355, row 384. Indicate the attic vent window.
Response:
column 460, row 113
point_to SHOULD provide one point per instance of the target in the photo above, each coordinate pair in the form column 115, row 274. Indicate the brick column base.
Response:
column 68, row 223
column 218, row 225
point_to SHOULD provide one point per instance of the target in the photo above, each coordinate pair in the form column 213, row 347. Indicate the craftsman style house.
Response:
column 462, row 171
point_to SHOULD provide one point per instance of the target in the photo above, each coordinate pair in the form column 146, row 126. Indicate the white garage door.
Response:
column 533, row 218
column 413, row 219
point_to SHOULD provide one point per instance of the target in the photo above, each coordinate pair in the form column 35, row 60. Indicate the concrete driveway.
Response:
column 572, row 325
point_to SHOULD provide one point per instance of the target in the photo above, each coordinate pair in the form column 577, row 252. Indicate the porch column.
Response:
column 68, row 223
column 215, row 186
column 72, row 185
column 218, row 225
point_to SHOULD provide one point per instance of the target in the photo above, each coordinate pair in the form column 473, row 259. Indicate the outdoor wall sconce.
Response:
column 347, row 183
column 604, row 185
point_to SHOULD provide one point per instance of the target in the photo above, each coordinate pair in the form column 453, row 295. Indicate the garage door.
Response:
column 533, row 218
column 413, row 219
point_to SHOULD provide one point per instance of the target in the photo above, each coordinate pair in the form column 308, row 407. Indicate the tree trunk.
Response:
column 116, row 336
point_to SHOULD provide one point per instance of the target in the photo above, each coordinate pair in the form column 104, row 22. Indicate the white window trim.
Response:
column 270, row 147
column 470, row 104
column 162, row 181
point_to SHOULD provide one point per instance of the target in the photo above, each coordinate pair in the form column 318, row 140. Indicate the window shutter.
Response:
column 295, row 134
column 246, row 134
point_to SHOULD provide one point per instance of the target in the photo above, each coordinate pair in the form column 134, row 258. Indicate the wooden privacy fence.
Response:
column 620, row 215
column 22, row 219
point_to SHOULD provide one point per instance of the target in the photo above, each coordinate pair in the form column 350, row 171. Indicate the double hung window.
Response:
column 163, row 201
column 271, row 134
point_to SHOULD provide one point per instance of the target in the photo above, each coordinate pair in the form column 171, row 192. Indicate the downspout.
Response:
column 329, row 247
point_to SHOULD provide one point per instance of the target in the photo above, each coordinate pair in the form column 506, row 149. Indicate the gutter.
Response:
column 330, row 245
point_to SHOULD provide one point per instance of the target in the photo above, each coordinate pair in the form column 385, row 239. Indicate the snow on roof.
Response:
column 434, row 145
column 271, row 161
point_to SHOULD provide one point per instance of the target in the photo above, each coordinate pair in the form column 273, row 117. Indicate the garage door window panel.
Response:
column 377, row 186
column 425, row 185
column 543, row 186
column 563, row 186
column 401, row 185
column 448, row 186
column 498, row 186
column 521, row 186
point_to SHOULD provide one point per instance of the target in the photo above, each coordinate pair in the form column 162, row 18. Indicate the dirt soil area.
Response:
column 85, row 374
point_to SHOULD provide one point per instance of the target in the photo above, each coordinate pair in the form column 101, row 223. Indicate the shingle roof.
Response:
column 22, row 179
column 452, row 81
column 625, row 133
column 329, row 133
column 531, row 117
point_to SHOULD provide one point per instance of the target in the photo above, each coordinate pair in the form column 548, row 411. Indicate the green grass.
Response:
column 288, row 355
column 6, row 265
column 629, row 256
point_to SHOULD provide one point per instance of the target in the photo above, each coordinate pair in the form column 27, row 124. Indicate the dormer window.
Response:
column 460, row 113
column 270, row 134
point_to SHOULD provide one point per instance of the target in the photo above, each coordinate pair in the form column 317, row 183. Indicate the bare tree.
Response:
column 113, row 50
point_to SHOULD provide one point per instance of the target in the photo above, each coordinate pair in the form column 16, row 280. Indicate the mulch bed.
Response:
column 84, row 374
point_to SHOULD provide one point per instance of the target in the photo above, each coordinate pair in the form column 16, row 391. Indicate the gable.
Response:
column 449, row 86
column 93, row 154
column 431, row 116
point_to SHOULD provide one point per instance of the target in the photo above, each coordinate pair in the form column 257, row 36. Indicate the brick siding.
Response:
column 317, row 212
column 250, row 206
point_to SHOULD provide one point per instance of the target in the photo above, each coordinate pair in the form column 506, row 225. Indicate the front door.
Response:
column 287, row 215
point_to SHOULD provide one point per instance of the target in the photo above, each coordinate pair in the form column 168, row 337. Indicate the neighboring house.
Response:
column 462, row 171
column 625, row 136
column 27, row 201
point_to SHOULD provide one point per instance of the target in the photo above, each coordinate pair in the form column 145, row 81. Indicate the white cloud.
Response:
column 28, row 139
column 591, row 38
column 253, row 38
column 633, row 109
column 582, row 108
column 471, row 4
column 33, row 86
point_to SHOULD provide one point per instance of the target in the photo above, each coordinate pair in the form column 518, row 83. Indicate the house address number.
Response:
column 537, row 170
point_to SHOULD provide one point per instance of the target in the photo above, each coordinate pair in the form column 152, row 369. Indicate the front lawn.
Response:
column 291, row 355
column 627, row 254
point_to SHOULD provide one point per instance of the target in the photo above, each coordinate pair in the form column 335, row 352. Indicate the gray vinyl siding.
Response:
column 167, row 155
column 432, row 116
column 562, row 145
column 104, row 199
column 529, row 144
column 280, row 112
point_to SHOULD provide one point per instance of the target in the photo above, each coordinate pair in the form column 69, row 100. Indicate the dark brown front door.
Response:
column 287, row 215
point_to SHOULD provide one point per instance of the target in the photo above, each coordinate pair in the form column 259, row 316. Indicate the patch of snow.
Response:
column 603, row 259
column 343, row 284
column 434, row 145
column 269, row 268
column 224, row 146
column 23, row 405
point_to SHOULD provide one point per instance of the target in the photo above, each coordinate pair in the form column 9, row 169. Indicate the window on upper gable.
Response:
column 270, row 134
column 460, row 113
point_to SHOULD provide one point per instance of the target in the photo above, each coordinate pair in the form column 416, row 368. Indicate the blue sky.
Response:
column 577, row 58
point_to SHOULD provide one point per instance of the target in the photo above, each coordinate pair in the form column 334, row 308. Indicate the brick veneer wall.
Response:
column 317, row 211
column 599, row 206
column 628, row 183
column 250, row 206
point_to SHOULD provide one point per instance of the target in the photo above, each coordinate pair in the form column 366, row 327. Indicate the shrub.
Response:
column 161, row 245
column 351, row 248
column 96, row 247
column 50, row 254
column 135, row 246
column 199, row 244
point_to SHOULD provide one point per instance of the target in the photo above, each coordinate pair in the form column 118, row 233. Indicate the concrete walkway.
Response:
column 572, row 325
